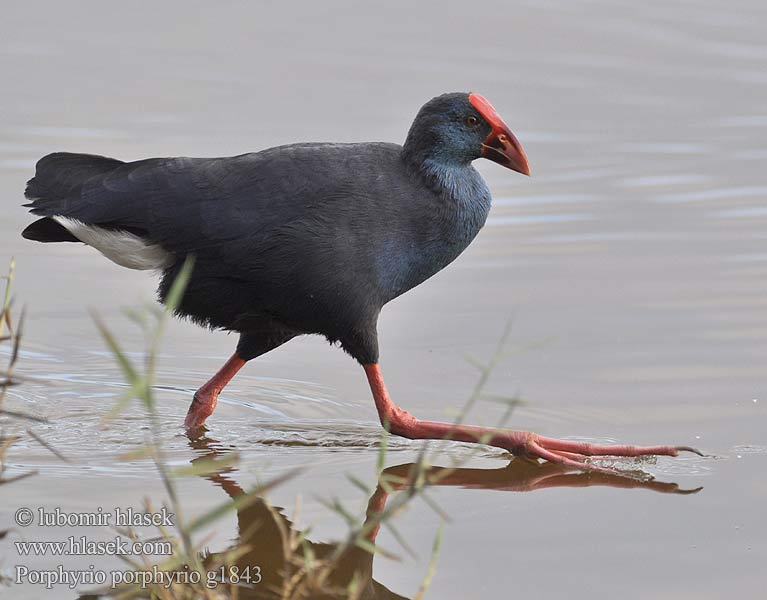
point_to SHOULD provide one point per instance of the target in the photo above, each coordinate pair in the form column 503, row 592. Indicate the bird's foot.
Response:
column 520, row 443
column 201, row 408
column 575, row 453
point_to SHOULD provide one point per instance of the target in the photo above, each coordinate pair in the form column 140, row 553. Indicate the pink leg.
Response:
column 520, row 443
column 206, row 397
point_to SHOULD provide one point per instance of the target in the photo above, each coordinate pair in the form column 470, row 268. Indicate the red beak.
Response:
column 501, row 145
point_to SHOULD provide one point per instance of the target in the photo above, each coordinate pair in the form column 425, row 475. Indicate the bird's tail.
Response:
column 58, row 181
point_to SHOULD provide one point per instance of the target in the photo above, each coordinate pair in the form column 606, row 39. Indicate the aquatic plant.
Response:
column 11, row 334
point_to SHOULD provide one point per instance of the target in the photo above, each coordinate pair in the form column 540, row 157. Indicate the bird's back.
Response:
column 194, row 204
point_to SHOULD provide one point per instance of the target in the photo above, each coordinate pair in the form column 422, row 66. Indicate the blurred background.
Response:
column 633, row 264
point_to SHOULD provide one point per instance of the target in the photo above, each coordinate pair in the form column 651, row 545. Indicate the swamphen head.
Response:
column 454, row 129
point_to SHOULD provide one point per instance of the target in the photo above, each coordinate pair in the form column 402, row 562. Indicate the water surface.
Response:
column 633, row 264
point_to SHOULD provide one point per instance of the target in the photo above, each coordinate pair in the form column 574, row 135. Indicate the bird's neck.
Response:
column 450, row 206
column 457, row 182
column 461, row 201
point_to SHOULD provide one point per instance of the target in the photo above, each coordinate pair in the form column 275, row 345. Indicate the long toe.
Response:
column 578, row 454
column 535, row 450
column 586, row 449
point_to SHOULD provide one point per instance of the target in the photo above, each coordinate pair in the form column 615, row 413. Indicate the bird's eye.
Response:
column 471, row 121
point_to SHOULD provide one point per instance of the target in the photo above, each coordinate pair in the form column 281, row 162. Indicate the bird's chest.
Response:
column 419, row 248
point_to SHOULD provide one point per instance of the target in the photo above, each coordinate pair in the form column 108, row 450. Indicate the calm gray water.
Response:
column 633, row 264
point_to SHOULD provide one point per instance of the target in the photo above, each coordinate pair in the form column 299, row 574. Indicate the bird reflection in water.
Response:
column 269, row 538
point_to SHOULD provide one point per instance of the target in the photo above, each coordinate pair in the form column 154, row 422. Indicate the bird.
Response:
column 303, row 239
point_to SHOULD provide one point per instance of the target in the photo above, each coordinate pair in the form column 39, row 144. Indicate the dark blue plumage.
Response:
column 306, row 238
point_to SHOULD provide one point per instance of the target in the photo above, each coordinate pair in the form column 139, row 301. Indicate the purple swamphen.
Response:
column 310, row 238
